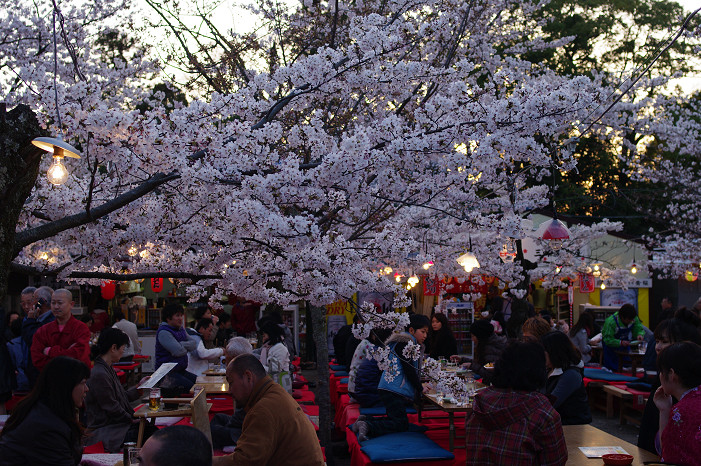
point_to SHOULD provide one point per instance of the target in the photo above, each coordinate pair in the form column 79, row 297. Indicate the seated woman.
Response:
column 511, row 423
column 535, row 328
column 680, row 424
column 667, row 333
column 274, row 354
column 441, row 342
column 44, row 427
column 364, row 375
column 488, row 348
column 581, row 333
column 565, row 380
column 110, row 417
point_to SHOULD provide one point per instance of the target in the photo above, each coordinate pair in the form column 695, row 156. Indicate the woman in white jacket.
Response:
column 199, row 358
column 274, row 355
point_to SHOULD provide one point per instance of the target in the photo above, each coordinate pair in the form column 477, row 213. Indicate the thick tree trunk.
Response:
column 19, row 168
column 322, row 393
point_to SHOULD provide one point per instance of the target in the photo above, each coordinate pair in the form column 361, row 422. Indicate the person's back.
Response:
column 130, row 329
column 511, row 423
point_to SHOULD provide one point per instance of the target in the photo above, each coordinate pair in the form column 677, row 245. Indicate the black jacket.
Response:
column 42, row 438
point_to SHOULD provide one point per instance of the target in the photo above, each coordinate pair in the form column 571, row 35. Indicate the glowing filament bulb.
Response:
column 57, row 173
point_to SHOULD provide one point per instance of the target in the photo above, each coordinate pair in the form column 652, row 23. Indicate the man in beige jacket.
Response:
column 275, row 430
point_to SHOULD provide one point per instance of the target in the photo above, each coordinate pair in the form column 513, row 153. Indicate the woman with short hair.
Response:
column 110, row 417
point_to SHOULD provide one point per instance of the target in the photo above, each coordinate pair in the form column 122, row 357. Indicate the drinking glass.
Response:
column 134, row 456
column 154, row 399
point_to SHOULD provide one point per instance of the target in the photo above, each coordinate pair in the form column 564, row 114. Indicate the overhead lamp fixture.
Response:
column 397, row 277
column 603, row 285
column 468, row 261
column 428, row 265
column 57, row 173
column 387, row 270
column 597, row 270
column 413, row 280
column 555, row 232
column 633, row 269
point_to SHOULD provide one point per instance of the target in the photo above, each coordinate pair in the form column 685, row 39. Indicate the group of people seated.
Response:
column 536, row 385
column 71, row 381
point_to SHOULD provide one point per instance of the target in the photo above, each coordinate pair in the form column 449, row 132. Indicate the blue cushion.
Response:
column 340, row 373
column 600, row 374
column 381, row 411
column 404, row 446
column 334, row 367
column 344, row 381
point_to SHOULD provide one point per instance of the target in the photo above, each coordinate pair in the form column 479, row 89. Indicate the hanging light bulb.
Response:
column 413, row 280
column 428, row 265
column 557, row 269
column 597, row 270
column 388, row 270
column 603, row 285
column 132, row 251
column 397, row 277
column 633, row 269
column 468, row 261
column 57, row 173
column 408, row 287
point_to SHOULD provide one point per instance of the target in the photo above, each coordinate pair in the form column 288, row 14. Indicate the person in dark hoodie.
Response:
column 400, row 385
column 565, row 383
column 511, row 422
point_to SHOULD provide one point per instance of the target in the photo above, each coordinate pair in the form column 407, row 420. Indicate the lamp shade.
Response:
column 556, row 230
column 468, row 261
column 57, row 146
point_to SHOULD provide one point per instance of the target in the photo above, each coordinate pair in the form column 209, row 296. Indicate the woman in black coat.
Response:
column 441, row 342
column 44, row 427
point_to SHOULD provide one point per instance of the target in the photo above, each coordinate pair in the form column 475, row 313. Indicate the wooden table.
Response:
column 211, row 384
column 636, row 359
column 451, row 409
column 145, row 414
column 587, row 436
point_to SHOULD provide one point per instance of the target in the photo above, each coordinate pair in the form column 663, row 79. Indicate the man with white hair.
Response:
column 39, row 313
column 226, row 430
column 65, row 336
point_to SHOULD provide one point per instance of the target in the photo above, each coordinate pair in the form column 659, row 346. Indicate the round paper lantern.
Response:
column 157, row 285
column 108, row 290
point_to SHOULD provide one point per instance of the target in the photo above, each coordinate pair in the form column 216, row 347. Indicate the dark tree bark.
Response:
column 322, row 393
column 19, row 169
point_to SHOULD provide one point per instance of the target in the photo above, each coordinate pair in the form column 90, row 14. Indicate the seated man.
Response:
column 226, row 430
column 275, row 431
column 65, row 336
column 128, row 327
column 176, row 446
column 37, row 304
column 511, row 423
column 617, row 333
column 172, row 345
column 198, row 360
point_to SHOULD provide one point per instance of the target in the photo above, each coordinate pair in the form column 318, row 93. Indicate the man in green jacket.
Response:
column 619, row 330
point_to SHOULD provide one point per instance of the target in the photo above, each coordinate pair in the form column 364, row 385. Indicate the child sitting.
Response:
column 398, row 386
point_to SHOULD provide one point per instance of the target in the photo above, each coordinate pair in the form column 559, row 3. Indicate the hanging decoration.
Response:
column 157, row 285
column 108, row 290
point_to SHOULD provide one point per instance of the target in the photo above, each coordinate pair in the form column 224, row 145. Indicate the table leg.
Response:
column 140, row 438
column 451, row 430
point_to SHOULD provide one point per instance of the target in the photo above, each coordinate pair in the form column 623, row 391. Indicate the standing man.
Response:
column 38, row 314
column 129, row 328
column 27, row 301
column 65, row 336
column 666, row 309
column 275, row 430
column 618, row 331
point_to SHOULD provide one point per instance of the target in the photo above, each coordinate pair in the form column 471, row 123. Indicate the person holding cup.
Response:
column 110, row 417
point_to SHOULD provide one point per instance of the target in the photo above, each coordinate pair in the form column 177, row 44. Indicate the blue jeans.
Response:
column 396, row 420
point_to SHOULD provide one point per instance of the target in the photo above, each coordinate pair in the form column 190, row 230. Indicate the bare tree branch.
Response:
column 50, row 229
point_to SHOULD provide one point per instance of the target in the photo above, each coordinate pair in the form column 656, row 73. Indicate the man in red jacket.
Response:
column 65, row 336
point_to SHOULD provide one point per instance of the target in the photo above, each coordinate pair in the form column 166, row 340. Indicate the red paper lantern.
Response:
column 108, row 290
column 157, row 285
